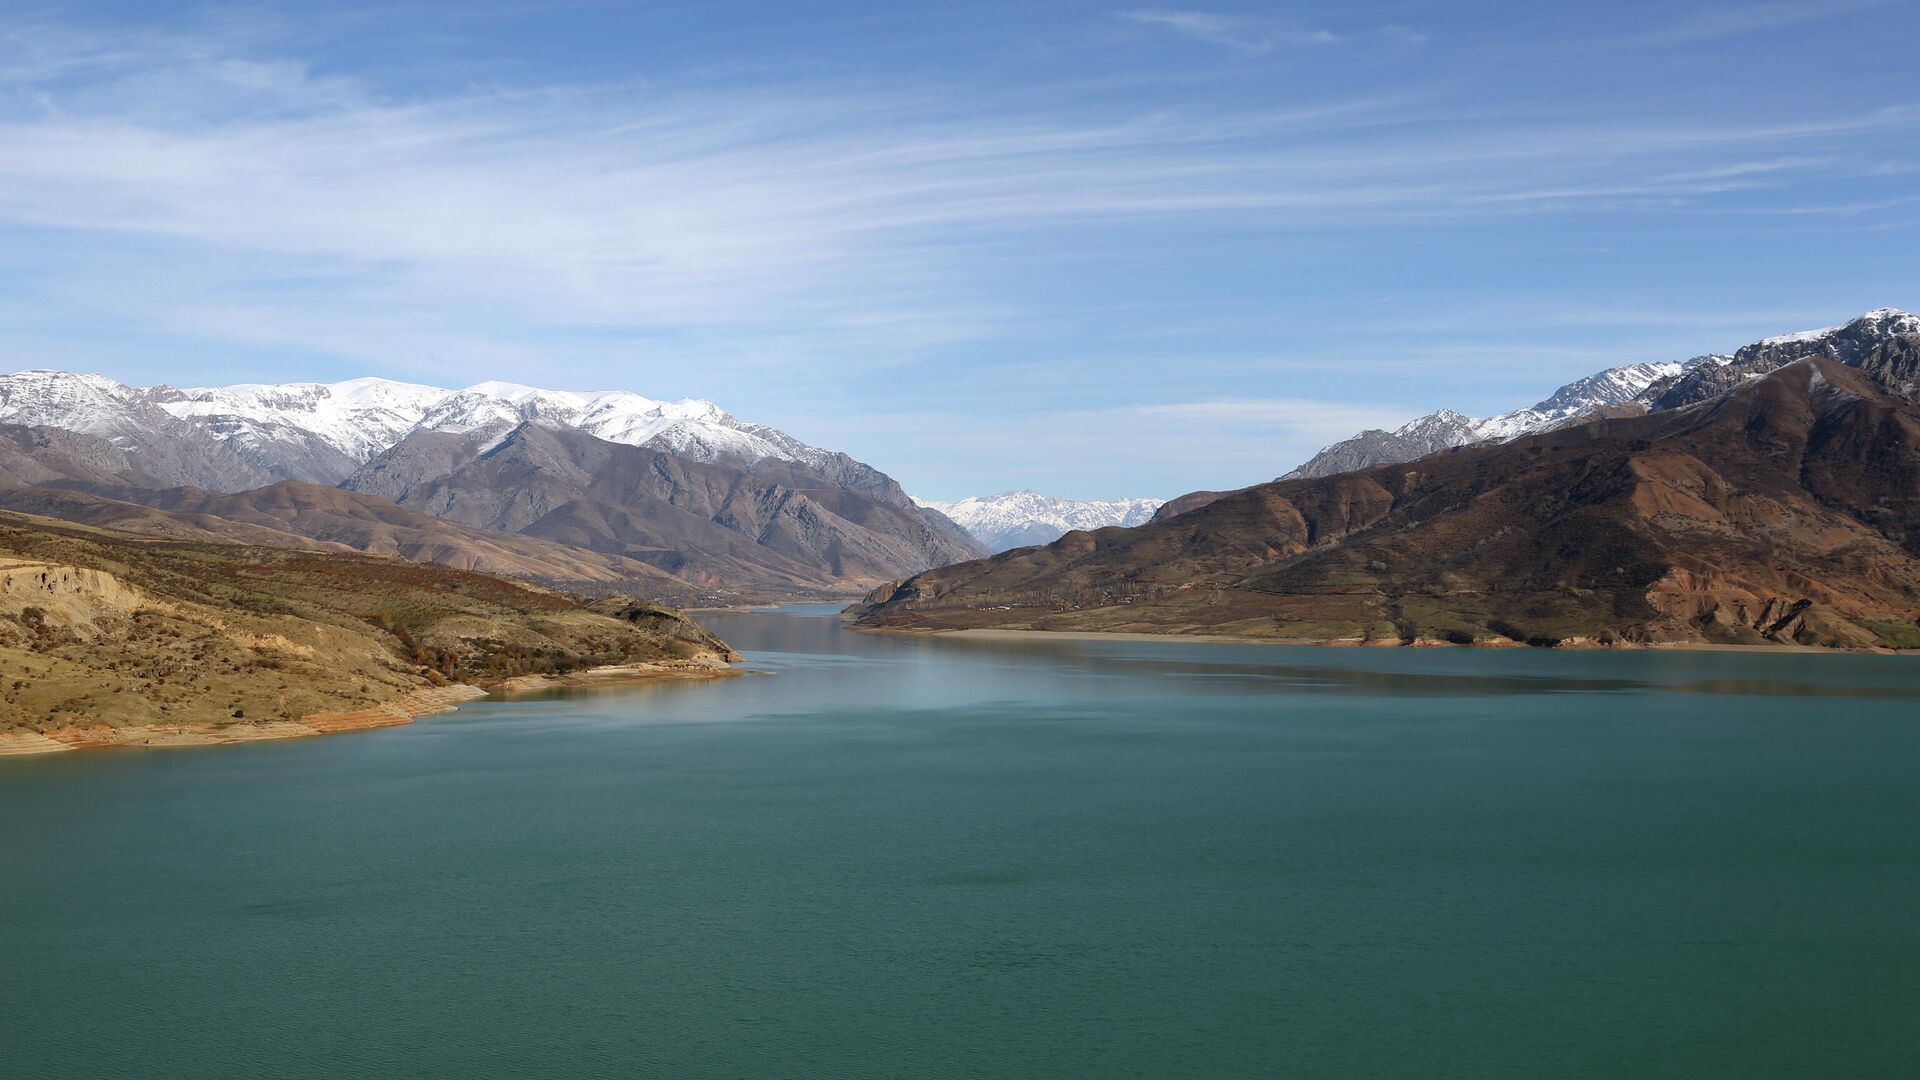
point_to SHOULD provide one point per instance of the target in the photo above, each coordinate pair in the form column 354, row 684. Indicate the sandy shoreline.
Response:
column 403, row 710
column 615, row 675
column 997, row 634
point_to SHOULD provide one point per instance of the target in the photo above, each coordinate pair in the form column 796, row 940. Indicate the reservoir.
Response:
column 950, row 857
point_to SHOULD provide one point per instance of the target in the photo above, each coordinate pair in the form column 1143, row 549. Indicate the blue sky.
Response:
column 1094, row 249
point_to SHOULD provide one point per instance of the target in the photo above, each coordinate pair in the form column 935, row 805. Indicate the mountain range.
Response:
column 678, row 499
column 1767, row 495
column 1635, row 388
column 322, row 432
column 1772, row 496
column 1023, row 518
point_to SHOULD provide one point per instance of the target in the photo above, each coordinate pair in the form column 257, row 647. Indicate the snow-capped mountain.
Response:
column 321, row 432
column 690, row 428
column 1635, row 387
column 1445, row 428
column 1023, row 518
column 359, row 417
column 1849, row 343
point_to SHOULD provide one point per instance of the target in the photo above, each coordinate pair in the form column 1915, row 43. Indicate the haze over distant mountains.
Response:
column 1022, row 518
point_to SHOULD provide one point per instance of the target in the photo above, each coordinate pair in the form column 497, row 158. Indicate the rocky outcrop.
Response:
column 683, row 638
column 48, row 596
column 1849, row 344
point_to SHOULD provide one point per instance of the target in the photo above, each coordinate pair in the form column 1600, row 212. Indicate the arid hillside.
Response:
column 102, row 629
column 1784, row 511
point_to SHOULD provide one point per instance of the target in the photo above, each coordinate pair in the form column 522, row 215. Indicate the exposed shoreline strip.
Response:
column 402, row 710
column 992, row 633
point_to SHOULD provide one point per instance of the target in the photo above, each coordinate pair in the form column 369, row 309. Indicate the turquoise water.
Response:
column 938, row 858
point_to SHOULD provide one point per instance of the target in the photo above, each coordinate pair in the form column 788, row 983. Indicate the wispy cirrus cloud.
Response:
column 224, row 191
column 623, row 206
column 1720, row 22
column 1248, row 34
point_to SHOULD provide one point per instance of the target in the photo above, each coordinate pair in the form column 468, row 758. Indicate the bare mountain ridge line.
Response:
column 1786, row 510
column 1635, row 388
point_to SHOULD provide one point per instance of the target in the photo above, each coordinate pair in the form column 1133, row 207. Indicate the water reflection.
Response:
column 812, row 636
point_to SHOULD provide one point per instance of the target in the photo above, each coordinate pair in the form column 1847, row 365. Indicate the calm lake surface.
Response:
column 948, row 858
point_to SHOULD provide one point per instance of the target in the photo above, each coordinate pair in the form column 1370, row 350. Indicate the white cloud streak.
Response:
column 238, row 197
column 1722, row 22
column 1244, row 33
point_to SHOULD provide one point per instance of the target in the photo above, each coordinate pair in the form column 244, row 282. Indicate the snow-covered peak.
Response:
column 1639, row 386
column 326, row 424
column 690, row 427
column 464, row 411
column 1436, row 421
column 506, row 391
column 1879, row 321
column 91, row 404
column 1020, row 518
column 1614, row 386
column 357, row 418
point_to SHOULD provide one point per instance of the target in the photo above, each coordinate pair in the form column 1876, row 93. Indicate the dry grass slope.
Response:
column 106, row 629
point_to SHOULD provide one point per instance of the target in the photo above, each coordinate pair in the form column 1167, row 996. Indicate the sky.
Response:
column 1097, row 250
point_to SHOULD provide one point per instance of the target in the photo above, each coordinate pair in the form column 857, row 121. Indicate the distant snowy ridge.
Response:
column 321, row 431
column 1445, row 428
column 1635, row 387
column 1024, row 518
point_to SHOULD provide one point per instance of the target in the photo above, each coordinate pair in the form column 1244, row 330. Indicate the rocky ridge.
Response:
column 1636, row 388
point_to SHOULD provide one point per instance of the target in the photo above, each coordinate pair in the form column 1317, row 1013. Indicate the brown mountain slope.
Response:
column 774, row 526
column 312, row 516
column 1785, row 511
column 83, row 508
column 100, row 630
column 40, row 455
